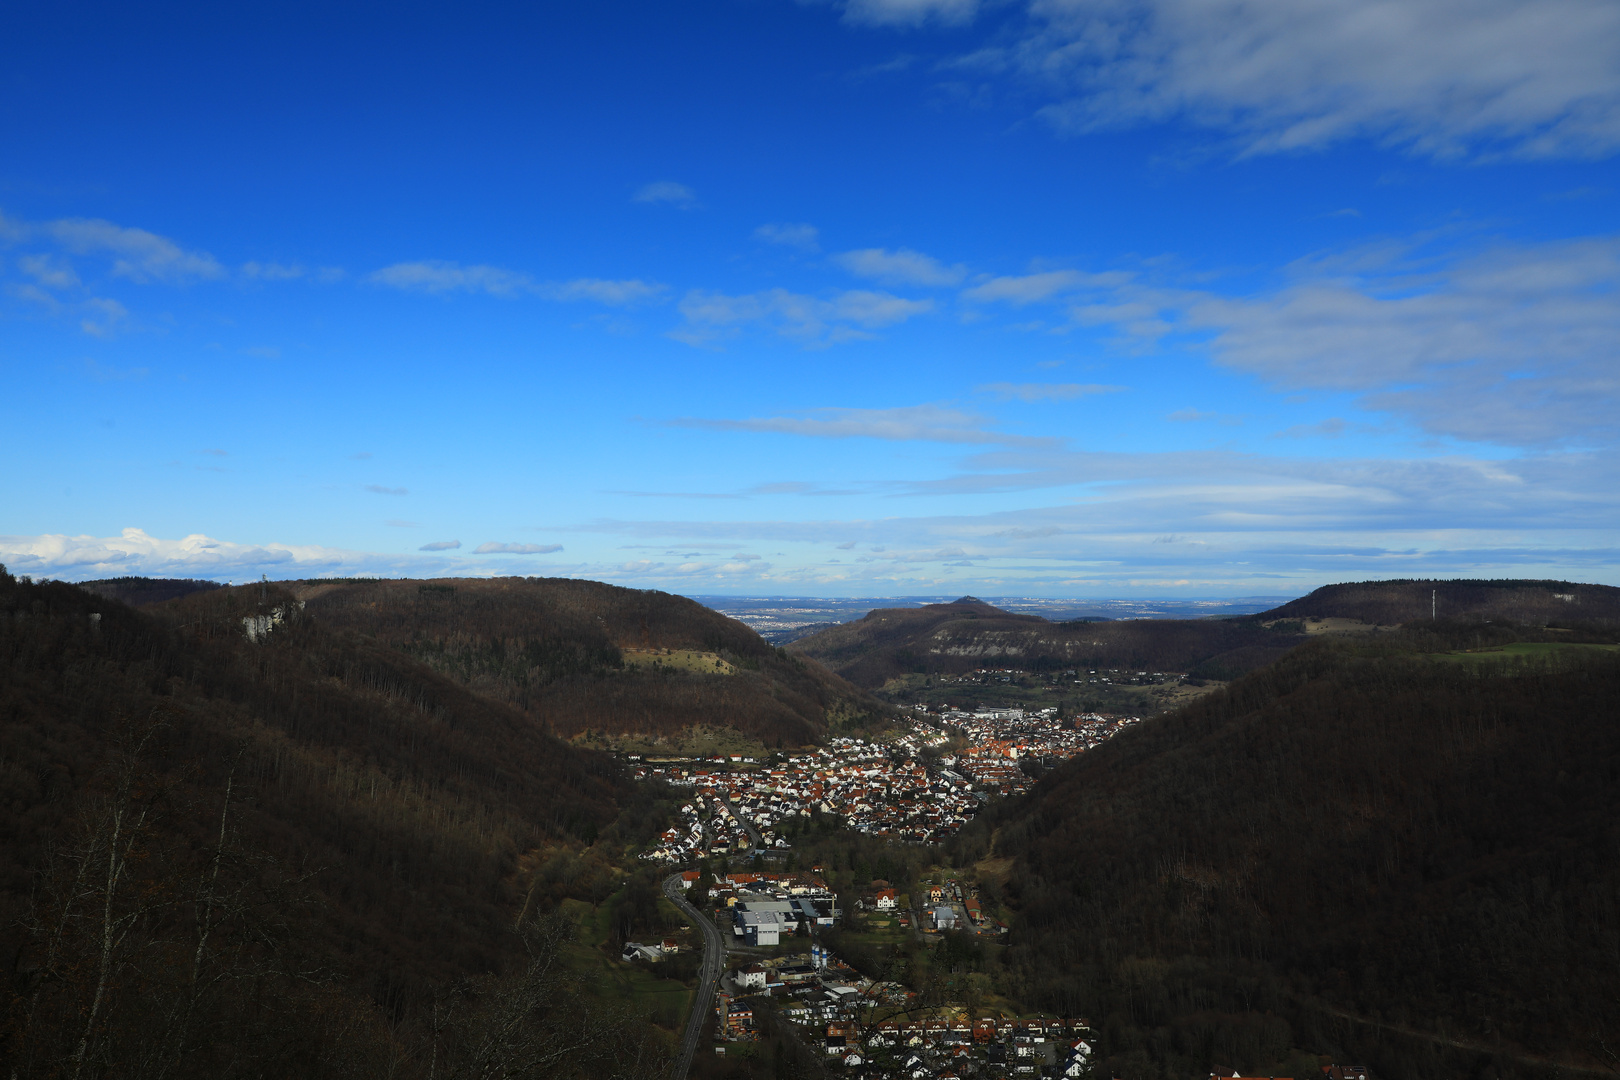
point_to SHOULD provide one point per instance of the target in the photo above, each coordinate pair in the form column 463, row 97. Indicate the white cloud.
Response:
column 923, row 423
column 667, row 191
column 441, row 545
column 133, row 552
column 902, row 267
column 840, row 317
column 378, row 489
column 802, row 236
column 1532, row 78
column 1046, row 391
column 137, row 254
column 910, row 12
column 493, row 548
column 1511, row 344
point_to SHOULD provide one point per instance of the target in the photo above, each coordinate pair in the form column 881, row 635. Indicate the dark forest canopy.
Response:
column 1378, row 848
column 969, row 633
column 141, row 591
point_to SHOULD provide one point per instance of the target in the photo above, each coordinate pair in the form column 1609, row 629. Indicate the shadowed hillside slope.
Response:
column 1389, row 603
column 583, row 656
column 1374, row 848
column 220, row 855
column 142, row 591
column 969, row 634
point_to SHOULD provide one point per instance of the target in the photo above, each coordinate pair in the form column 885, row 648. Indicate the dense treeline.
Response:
column 554, row 648
column 1364, row 850
column 1389, row 603
column 140, row 591
column 310, row 855
column 969, row 634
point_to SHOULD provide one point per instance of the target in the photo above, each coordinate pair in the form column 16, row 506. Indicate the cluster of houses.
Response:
column 886, row 788
column 998, row 739
column 708, row 825
column 882, row 788
column 869, row 1026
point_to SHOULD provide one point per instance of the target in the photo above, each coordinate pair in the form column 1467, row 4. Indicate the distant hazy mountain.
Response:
column 969, row 633
column 1390, row 603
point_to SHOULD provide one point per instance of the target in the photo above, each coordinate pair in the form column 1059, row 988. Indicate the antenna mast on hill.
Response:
column 1434, row 605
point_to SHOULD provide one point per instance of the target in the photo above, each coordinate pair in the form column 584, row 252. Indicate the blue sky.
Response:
column 1048, row 297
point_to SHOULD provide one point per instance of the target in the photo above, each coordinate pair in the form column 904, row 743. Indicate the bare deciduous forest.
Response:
column 310, row 855
column 1367, row 849
column 342, row 845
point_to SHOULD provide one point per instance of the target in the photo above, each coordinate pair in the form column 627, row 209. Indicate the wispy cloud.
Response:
column 1046, row 391
column 1509, row 343
column 902, row 267
column 441, row 545
column 275, row 271
column 435, row 276
column 138, row 255
column 841, row 316
column 666, row 191
column 801, row 236
column 493, row 548
column 612, row 293
column 378, row 489
column 1033, row 288
column 910, row 12
column 51, row 271
column 1439, row 77
column 911, row 423
column 1331, row 428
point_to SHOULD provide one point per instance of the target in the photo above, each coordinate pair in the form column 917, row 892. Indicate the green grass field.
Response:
column 665, row 1001
column 704, row 663
column 1522, row 650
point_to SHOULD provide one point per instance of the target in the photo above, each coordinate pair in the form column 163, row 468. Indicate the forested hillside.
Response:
column 968, row 634
column 1389, row 603
column 581, row 655
column 308, row 854
column 1382, row 847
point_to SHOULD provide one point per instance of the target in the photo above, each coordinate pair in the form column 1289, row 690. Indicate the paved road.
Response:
column 714, row 962
column 748, row 827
